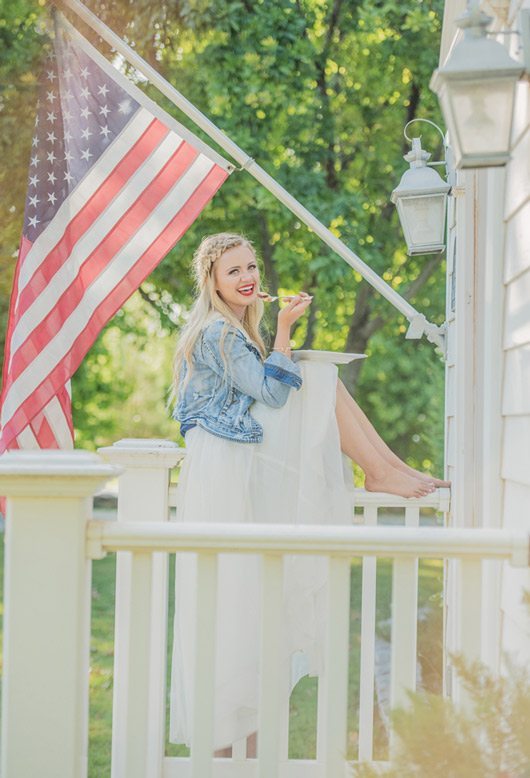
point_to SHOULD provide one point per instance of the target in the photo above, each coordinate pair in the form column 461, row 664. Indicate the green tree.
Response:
column 318, row 93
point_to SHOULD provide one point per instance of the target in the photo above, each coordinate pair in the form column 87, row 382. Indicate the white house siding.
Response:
column 516, row 375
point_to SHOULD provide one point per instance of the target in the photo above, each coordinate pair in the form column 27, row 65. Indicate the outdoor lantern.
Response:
column 421, row 200
column 476, row 89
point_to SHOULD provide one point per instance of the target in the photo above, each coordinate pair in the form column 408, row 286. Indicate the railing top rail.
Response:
column 439, row 499
column 382, row 541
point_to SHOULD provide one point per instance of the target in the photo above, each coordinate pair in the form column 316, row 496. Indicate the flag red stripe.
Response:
column 108, row 307
column 101, row 256
column 66, row 404
column 25, row 246
column 44, row 435
column 91, row 210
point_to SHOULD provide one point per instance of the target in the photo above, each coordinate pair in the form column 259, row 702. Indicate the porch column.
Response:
column 139, row 701
column 47, row 588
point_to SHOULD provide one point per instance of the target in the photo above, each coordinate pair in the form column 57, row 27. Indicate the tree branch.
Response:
column 362, row 327
column 165, row 318
column 328, row 121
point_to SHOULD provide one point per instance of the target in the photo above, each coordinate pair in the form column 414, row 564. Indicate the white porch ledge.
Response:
column 343, row 541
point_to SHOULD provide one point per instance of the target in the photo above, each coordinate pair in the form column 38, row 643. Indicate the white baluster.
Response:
column 404, row 623
column 367, row 670
column 135, row 759
column 142, row 496
column 333, row 685
column 469, row 627
column 47, row 611
column 270, row 675
column 204, row 671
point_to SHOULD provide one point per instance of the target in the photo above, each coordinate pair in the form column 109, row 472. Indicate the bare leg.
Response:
column 251, row 748
column 380, row 475
column 379, row 443
column 252, row 741
column 223, row 752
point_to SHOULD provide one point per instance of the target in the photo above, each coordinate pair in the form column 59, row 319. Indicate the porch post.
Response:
column 138, row 729
column 47, row 611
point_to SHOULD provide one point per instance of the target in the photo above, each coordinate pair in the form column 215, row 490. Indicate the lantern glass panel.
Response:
column 423, row 220
column 482, row 114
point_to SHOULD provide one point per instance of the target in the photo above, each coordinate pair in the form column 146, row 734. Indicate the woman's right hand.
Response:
column 294, row 309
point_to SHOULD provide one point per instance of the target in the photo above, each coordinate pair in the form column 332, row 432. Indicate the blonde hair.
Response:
column 208, row 302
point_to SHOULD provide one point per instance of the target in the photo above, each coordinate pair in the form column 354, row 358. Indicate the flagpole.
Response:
column 419, row 325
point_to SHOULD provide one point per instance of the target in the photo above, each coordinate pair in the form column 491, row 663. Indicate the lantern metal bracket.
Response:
column 448, row 154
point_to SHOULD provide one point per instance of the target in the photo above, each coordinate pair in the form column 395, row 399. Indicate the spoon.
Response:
column 267, row 298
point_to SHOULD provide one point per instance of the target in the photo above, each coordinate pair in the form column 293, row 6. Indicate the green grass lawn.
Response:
column 302, row 743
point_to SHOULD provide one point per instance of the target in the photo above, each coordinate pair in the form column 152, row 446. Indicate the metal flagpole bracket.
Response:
column 436, row 334
column 247, row 163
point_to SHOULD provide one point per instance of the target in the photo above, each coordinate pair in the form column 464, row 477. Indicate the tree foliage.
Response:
column 317, row 92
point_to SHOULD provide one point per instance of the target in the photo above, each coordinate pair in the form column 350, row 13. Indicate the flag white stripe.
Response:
column 79, row 197
column 43, row 364
column 47, row 299
column 55, row 416
column 26, row 439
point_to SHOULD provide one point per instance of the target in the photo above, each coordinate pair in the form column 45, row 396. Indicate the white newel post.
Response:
column 47, row 589
column 139, row 695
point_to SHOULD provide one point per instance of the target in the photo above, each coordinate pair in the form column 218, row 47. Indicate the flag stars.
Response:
column 68, row 75
column 51, row 96
column 86, row 133
column 68, row 136
column 33, row 221
column 52, row 198
column 104, row 131
column 68, row 95
column 86, row 154
column 33, row 180
column 51, row 137
column 52, row 178
column 33, row 201
column 51, row 117
column 68, row 157
column 35, row 160
column 125, row 107
column 85, row 92
column 85, row 72
column 67, row 116
column 34, row 141
column 105, row 110
column 85, row 113
column 51, row 157
column 102, row 90
column 51, row 75
column 68, row 176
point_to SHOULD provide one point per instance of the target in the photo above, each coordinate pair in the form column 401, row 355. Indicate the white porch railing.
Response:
column 50, row 544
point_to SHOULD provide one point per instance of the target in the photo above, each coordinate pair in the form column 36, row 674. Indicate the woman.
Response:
column 267, row 440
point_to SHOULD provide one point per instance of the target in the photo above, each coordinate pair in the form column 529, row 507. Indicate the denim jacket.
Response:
column 219, row 402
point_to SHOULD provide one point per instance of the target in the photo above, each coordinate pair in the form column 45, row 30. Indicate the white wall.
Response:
column 516, row 373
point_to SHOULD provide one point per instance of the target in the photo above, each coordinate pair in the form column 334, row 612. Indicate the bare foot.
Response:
column 422, row 476
column 394, row 481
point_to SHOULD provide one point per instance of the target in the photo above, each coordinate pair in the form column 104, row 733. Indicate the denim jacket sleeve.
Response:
column 269, row 381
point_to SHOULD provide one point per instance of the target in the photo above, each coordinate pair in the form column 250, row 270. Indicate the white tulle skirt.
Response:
column 297, row 475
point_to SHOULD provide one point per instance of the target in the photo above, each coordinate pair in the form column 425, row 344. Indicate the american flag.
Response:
column 114, row 182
